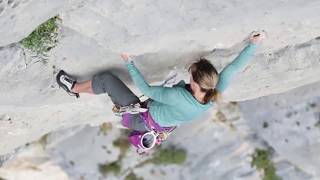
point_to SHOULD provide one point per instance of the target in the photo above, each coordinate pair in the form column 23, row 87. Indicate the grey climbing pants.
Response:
column 120, row 95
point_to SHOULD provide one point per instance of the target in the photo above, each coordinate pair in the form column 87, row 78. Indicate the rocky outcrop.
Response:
column 18, row 18
column 167, row 36
column 289, row 123
column 271, row 73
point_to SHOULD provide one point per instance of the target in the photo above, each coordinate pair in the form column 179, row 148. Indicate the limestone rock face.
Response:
column 271, row 73
column 32, row 163
column 167, row 35
column 18, row 18
column 219, row 145
column 289, row 123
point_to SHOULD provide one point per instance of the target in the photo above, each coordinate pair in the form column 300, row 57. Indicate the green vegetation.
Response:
column 221, row 117
column 265, row 125
column 113, row 167
column 105, row 128
column 163, row 156
column 2, row 178
column 71, row 162
column 170, row 155
column 43, row 38
column 318, row 123
column 262, row 162
column 44, row 140
column 123, row 144
column 132, row 176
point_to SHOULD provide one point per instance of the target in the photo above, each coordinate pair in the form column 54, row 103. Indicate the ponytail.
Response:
column 206, row 76
column 212, row 95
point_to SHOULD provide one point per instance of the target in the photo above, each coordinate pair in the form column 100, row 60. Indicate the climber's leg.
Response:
column 119, row 93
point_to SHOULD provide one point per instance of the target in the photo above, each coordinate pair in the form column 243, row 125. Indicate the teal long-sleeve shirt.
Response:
column 171, row 106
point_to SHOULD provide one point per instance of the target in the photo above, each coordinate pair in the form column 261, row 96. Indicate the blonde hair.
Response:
column 207, row 77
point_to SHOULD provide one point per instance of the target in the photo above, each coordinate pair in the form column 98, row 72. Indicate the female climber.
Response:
column 167, row 106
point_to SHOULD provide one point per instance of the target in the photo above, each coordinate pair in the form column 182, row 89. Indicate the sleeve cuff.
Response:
column 254, row 45
column 130, row 61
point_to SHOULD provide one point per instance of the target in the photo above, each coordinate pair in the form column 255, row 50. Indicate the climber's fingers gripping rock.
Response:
column 257, row 36
column 127, row 57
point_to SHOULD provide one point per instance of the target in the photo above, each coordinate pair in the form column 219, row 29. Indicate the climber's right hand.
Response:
column 257, row 36
column 125, row 56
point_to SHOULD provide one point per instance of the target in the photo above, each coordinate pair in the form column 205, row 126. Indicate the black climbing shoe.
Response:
column 66, row 82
